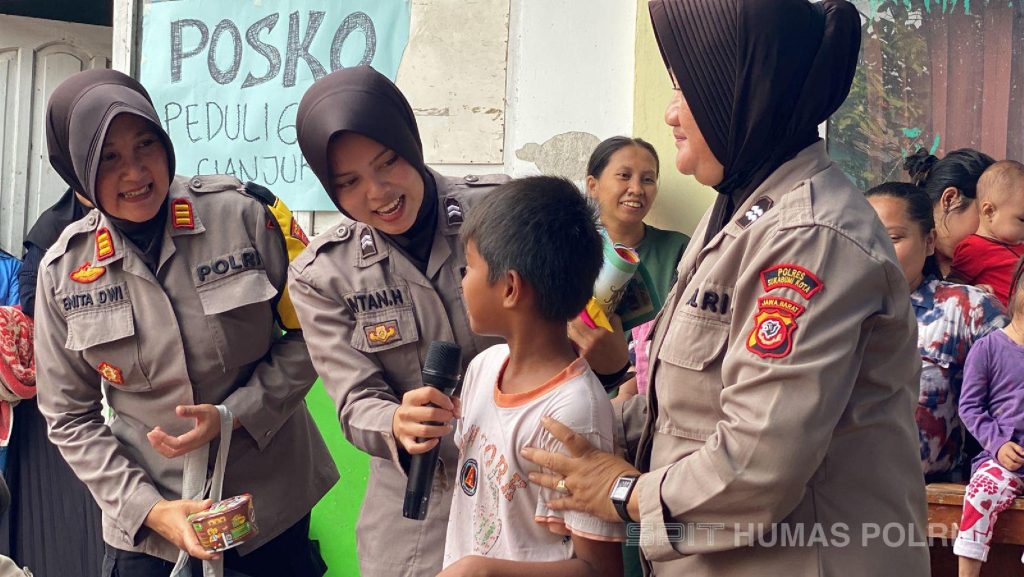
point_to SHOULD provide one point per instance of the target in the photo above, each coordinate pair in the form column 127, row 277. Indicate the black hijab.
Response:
column 759, row 77
column 363, row 100
column 77, row 119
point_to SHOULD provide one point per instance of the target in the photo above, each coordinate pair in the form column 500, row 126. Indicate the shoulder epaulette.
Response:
column 260, row 192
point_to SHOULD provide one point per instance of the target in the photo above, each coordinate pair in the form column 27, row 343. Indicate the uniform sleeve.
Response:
column 630, row 417
column 783, row 393
column 279, row 383
column 27, row 279
column 365, row 402
column 974, row 401
column 69, row 396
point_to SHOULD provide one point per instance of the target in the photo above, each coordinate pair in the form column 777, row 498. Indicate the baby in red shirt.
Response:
column 988, row 256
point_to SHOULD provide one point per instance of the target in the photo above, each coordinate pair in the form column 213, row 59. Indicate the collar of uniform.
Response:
column 182, row 192
column 380, row 251
column 792, row 176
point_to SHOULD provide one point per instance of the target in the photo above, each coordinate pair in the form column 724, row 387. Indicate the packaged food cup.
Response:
column 226, row 524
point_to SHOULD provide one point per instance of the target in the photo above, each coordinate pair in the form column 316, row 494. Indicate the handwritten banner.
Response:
column 226, row 78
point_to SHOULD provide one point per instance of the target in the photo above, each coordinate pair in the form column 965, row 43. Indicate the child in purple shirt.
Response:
column 992, row 408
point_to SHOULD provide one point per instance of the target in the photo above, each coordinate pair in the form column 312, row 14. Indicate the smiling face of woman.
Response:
column 132, row 177
column 625, row 190
column 693, row 155
column 373, row 184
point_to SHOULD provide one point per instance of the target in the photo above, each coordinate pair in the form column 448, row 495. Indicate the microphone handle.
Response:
column 422, row 467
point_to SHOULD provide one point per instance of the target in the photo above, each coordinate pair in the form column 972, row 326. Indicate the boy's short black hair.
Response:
column 544, row 229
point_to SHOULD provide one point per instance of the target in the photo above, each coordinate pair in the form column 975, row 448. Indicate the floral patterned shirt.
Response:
column 950, row 318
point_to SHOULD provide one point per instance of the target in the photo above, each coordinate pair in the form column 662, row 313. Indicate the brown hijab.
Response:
column 759, row 77
column 363, row 100
column 77, row 119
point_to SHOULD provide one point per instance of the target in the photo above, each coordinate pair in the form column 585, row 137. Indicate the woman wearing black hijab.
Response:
column 167, row 302
column 778, row 435
column 374, row 291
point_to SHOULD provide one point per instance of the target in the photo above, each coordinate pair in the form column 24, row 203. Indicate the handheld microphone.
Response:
column 442, row 371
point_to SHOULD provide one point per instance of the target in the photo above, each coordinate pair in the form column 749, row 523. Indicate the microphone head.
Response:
column 444, row 359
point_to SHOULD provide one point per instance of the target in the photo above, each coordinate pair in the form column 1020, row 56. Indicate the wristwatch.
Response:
column 621, row 491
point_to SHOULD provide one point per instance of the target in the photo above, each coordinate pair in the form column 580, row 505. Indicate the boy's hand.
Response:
column 414, row 417
column 472, row 566
column 1011, row 456
column 588, row 473
column 606, row 352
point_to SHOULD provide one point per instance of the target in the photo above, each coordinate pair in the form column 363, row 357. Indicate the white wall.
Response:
column 570, row 71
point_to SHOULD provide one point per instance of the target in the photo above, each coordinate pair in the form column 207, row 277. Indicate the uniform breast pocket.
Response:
column 106, row 338
column 392, row 335
column 240, row 315
column 689, row 377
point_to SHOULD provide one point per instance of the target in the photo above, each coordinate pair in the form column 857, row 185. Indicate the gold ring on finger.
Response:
column 561, row 488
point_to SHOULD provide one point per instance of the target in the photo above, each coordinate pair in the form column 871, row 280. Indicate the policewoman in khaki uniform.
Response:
column 374, row 291
column 170, row 295
column 778, row 438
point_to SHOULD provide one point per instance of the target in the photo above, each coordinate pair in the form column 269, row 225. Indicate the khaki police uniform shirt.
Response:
column 200, row 330
column 783, row 391
column 369, row 317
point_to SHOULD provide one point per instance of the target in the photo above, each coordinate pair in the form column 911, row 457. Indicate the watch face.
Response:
column 621, row 487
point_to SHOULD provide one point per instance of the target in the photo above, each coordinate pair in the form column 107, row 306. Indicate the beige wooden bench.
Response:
column 945, row 505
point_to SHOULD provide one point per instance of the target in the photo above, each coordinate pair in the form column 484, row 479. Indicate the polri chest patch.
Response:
column 228, row 264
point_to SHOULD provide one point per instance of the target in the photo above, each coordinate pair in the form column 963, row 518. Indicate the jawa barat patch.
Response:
column 774, row 325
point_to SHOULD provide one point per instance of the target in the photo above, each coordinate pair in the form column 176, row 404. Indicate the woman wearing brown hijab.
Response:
column 778, row 434
column 166, row 301
column 374, row 291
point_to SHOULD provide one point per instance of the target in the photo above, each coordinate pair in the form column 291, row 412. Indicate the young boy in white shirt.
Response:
column 532, row 254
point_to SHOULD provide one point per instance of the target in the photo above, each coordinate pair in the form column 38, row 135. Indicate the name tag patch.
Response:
column 106, row 295
column 244, row 259
column 375, row 300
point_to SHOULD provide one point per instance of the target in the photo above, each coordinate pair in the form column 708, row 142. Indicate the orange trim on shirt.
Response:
column 557, row 526
column 513, row 400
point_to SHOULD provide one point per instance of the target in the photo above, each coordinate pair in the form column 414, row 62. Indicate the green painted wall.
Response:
column 681, row 199
column 334, row 518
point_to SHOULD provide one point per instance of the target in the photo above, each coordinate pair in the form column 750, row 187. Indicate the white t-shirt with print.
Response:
column 496, row 512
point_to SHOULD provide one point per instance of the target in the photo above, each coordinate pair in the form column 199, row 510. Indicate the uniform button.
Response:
column 342, row 230
column 92, row 219
column 196, row 182
column 472, row 178
column 268, row 434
